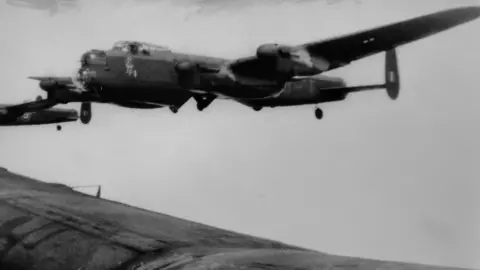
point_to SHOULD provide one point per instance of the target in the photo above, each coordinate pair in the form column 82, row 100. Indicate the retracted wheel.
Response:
column 257, row 108
column 200, row 106
column 318, row 113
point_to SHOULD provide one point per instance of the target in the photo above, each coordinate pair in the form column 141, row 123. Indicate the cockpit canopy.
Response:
column 138, row 47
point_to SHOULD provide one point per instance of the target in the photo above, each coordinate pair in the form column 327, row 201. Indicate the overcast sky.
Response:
column 395, row 180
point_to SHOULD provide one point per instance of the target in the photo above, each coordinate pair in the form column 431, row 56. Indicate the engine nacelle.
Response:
column 187, row 72
column 272, row 51
column 48, row 85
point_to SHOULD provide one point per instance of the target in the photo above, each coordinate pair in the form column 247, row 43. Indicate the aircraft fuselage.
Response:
column 158, row 75
column 140, row 75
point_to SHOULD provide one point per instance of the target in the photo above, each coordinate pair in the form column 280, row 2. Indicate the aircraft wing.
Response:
column 52, row 226
column 15, row 115
column 339, row 51
column 31, row 106
column 41, row 104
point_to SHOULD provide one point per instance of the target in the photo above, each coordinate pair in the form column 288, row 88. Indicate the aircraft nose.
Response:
column 83, row 77
column 93, row 57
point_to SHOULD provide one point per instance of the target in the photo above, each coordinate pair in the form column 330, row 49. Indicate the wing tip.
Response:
column 466, row 13
column 468, row 8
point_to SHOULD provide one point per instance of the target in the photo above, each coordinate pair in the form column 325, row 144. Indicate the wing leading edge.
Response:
column 342, row 50
column 348, row 48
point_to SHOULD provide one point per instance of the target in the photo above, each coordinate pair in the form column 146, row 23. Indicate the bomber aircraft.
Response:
column 47, row 226
column 143, row 75
column 13, row 115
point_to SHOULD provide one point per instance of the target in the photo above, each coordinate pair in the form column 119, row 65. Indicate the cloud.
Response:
column 199, row 6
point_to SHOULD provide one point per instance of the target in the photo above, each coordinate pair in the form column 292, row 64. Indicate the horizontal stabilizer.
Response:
column 392, row 79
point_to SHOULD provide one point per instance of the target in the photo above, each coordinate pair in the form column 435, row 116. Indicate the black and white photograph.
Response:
column 240, row 135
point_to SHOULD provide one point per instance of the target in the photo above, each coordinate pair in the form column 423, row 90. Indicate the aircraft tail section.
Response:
column 392, row 76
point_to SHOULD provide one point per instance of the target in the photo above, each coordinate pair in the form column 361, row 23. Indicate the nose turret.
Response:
column 93, row 58
column 90, row 62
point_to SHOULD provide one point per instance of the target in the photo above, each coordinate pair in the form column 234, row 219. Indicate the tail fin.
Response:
column 391, row 84
column 392, row 76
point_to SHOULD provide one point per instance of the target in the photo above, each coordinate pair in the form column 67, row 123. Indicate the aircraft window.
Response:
column 138, row 47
